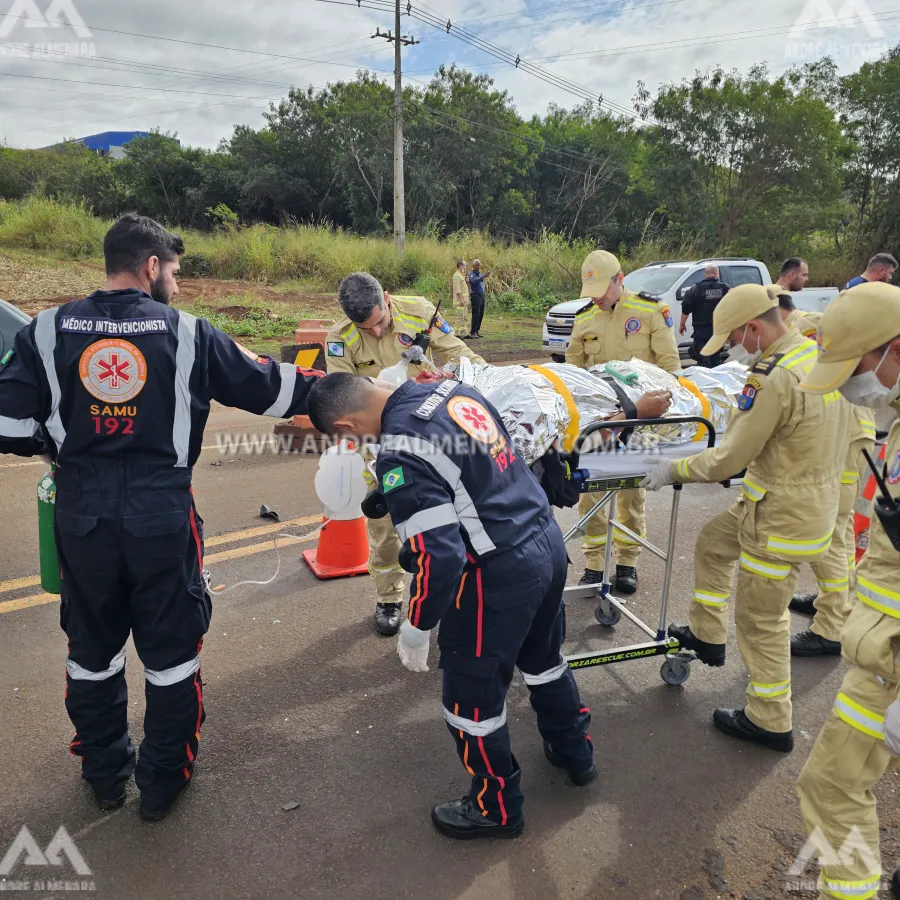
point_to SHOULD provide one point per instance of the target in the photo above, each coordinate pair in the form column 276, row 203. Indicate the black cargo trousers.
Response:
column 130, row 547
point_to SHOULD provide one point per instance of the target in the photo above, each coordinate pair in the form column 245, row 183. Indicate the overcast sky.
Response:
column 84, row 75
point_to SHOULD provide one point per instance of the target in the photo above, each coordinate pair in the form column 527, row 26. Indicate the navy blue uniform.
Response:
column 489, row 563
column 120, row 387
column 477, row 299
column 700, row 302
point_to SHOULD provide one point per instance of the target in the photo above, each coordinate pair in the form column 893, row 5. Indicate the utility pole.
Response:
column 399, row 42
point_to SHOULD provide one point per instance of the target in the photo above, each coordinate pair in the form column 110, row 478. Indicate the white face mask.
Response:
column 867, row 390
column 740, row 354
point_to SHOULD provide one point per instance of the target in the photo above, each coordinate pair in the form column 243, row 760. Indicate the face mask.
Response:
column 740, row 354
column 867, row 390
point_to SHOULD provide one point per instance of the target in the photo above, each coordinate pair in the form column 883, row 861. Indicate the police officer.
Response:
column 121, row 385
column 489, row 563
column 377, row 329
column 860, row 356
column 700, row 302
column 794, row 448
column 618, row 325
column 836, row 571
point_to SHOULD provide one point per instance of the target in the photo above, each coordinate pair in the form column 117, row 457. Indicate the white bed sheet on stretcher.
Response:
column 631, row 463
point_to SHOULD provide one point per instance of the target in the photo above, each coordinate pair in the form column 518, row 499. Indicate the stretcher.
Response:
column 603, row 472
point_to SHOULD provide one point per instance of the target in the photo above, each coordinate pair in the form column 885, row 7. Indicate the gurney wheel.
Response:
column 675, row 671
column 607, row 621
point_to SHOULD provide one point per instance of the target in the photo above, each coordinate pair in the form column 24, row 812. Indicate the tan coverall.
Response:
column 637, row 327
column 350, row 349
column 849, row 756
column 835, row 571
column 460, row 291
column 794, row 448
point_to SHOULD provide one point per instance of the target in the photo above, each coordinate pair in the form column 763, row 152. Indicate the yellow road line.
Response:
column 19, row 583
column 42, row 599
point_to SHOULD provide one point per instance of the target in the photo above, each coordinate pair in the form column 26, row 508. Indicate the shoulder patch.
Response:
column 755, row 382
column 764, row 366
column 394, row 479
column 7, row 357
column 474, row 419
column 436, row 400
column 652, row 298
column 894, row 473
column 667, row 315
column 443, row 325
column 748, row 396
column 336, row 348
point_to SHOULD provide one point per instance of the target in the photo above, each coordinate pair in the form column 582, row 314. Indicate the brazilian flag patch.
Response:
column 393, row 479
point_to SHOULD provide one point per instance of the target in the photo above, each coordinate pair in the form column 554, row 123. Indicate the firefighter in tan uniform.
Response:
column 377, row 329
column 618, row 325
column 793, row 447
column 835, row 572
column 860, row 741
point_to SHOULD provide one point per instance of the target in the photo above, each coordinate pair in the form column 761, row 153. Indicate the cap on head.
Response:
column 597, row 271
column 858, row 321
column 739, row 306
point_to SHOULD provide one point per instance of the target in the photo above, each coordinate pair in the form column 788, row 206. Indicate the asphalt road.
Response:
column 308, row 707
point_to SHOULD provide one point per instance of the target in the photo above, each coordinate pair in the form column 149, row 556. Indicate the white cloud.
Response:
column 38, row 110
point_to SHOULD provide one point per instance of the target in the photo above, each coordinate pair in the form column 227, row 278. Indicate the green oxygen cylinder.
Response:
column 46, row 497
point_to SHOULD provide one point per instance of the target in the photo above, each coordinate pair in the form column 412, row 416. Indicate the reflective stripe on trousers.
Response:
column 476, row 729
column 79, row 673
column 546, row 677
column 168, row 677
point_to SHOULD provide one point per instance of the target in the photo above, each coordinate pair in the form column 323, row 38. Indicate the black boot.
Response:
column 895, row 884
column 808, row 643
column 626, row 579
column 579, row 778
column 156, row 810
column 387, row 618
column 459, row 819
column 804, row 603
column 591, row 577
column 735, row 724
column 708, row 654
column 109, row 799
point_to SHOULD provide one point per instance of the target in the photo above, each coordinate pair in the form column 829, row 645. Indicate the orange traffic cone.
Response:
column 343, row 549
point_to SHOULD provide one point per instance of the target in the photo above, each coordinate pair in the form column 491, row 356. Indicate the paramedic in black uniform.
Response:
column 119, row 386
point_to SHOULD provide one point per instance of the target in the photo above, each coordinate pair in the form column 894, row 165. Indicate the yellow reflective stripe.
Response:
column 350, row 336
column 833, row 397
column 859, row 717
column 851, row 890
column 635, row 303
column 595, row 541
column 587, row 314
column 805, row 352
column 708, row 598
column 849, row 477
column 799, row 548
column 878, row 597
column 621, row 538
column 842, row 584
column 868, row 426
column 394, row 568
column 771, row 690
column 681, row 468
column 752, row 490
column 413, row 322
column 775, row 571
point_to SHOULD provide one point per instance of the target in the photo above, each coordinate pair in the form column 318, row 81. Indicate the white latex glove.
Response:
column 412, row 647
column 658, row 476
column 892, row 728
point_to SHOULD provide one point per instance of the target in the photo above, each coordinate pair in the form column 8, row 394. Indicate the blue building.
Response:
column 108, row 143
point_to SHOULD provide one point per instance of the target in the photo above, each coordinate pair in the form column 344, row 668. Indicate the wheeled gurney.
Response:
column 603, row 472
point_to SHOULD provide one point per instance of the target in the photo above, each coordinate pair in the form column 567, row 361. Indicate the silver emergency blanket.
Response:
column 536, row 414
